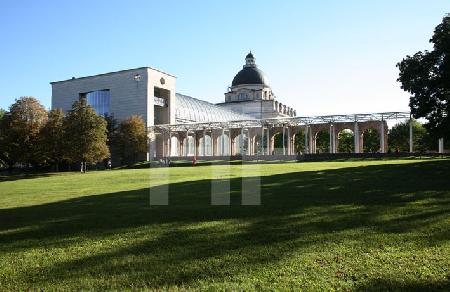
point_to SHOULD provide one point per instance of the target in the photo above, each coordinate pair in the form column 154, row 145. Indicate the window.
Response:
column 99, row 100
column 242, row 96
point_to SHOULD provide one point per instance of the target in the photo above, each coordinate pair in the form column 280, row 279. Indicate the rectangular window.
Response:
column 99, row 100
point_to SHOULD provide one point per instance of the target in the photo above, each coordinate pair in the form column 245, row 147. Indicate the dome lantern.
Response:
column 250, row 60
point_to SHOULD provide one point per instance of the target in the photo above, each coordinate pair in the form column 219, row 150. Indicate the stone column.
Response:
column 411, row 146
column 241, row 142
column 356, row 137
column 186, row 144
column 248, row 142
column 331, row 139
column 204, row 143
column 289, row 150
column 196, row 142
column 231, row 143
column 382, row 150
column 307, row 150
column 222, row 144
column 180, row 144
column 441, row 145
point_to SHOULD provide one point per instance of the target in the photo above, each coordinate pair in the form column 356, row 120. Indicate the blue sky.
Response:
column 321, row 57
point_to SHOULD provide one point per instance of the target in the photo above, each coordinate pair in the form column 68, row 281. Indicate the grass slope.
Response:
column 357, row 225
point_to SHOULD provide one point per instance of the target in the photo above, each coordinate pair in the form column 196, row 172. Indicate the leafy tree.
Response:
column 53, row 137
column 21, row 127
column 399, row 137
column 426, row 76
column 299, row 142
column 3, row 153
column 86, row 135
column 371, row 140
column 131, row 139
column 323, row 142
column 346, row 141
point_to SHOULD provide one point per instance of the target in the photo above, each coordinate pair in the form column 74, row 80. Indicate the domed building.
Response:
column 151, row 94
column 251, row 94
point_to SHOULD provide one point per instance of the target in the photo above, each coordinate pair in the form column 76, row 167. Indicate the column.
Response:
column 306, row 140
column 382, row 150
column 334, row 140
column 169, row 146
column 441, row 145
column 180, row 144
column 249, row 151
column 222, row 144
column 331, row 138
column 411, row 146
column 241, row 142
column 356, row 136
column 213, row 144
column 284, row 150
column 204, row 142
column 268, row 141
column 195, row 145
column 186, row 146
column 289, row 150
column 163, row 143
column 262, row 140
column 231, row 143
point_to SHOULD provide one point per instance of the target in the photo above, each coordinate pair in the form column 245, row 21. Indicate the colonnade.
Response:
column 252, row 141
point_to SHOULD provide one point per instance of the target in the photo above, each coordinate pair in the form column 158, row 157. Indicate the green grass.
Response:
column 358, row 225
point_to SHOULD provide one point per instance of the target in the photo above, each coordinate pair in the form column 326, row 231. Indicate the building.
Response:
column 151, row 94
column 246, row 123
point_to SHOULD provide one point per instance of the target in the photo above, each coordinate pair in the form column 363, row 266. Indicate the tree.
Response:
column 86, row 135
column 21, row 127
column 3, row 154
column 371, row 140
column 346, row 141
column 112, row 127
column 131, row 139
column 53, row 138
column 426, row 76
column 323, row 142
column 299, row 142
column 399, row 137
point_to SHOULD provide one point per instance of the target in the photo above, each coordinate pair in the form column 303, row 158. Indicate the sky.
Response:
column 321, row 57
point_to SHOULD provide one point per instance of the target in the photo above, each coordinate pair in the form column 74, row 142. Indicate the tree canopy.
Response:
column 426, row 76
column 346, row 142
column 53, row 138
column 399, row 137
column 86, row 134
column 20, row 128
column 131, row 139
column 371, row 140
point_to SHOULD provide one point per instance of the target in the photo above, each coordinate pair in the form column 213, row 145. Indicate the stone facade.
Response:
column 131, row 92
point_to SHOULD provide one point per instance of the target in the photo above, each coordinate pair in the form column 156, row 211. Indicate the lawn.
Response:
column 356, row 225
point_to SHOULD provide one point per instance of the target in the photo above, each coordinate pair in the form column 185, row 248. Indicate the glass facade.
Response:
column 99, row 100
column 190, row 110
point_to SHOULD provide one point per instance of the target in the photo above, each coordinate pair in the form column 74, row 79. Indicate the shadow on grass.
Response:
column 4, row 176
column 194, row 241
